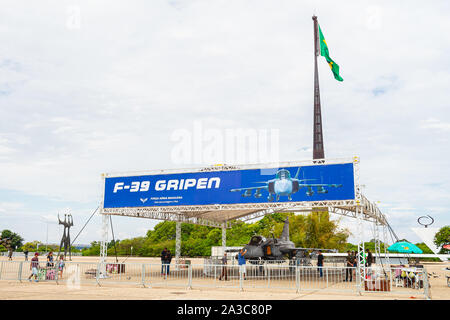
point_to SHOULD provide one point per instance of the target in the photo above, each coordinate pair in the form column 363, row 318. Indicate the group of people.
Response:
column 351, row 262
column 35, row 265
column 241, row 263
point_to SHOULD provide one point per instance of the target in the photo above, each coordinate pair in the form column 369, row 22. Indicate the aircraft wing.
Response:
column 319, row 185
column 249, row 188
column 232, row 250
column 317, row 249
column 289, row 250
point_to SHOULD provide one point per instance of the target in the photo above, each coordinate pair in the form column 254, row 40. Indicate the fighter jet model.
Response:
column 284, row 185
column 260, row 248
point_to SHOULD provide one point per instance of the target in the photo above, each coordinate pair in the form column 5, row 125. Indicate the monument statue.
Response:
column 65, row 240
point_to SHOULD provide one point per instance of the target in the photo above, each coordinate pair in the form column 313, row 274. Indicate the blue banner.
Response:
column 288, row 184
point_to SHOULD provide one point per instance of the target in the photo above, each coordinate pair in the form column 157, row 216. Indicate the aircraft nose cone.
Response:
column 283, row 186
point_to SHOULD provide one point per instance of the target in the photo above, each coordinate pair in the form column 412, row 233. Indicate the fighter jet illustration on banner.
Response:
column 284, row 185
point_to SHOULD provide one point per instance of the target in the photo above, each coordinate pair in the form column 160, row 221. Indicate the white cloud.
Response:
column 7, row 207
column 432, row 123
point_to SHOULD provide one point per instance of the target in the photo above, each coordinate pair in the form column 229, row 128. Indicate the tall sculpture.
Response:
column 65, row 240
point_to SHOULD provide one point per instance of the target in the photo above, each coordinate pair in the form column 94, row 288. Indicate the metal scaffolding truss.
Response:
column 217, row 215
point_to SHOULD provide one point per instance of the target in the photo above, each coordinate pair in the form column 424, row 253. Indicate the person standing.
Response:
column 26, row 255
column 34, row 267
column 10, row 253
column 355, row 261
column 349, row 265
column 163, row 261
column 241, row 261
column 169, row 260
column 369, row 258
column 224, row 267
column 61, row 265
column 50, row 259
column 320, row 263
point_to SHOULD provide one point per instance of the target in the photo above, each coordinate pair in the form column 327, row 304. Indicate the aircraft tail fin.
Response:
column 298, row 172
column 285, row 232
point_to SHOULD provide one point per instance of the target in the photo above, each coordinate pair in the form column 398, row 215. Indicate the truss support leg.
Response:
column 386, row 253
column 103, row 246
column 360, row 268
column 376, row 234
column 178, row 245
column 224, row 235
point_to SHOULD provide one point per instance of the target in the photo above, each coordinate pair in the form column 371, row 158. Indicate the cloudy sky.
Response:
column 88, row 87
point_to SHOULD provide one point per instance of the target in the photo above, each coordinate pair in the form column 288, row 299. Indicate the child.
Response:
column 61, row 265
column 34, row 267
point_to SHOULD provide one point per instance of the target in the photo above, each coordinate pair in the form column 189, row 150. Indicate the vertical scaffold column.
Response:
column 386, row 253
column 224, row 236
column 103, row 244
column 101, row 272
column 359, row 215
column 177, row 245
column 376, row 235
column 360, row 268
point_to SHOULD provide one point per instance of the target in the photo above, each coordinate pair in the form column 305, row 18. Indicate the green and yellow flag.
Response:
column 324, row 52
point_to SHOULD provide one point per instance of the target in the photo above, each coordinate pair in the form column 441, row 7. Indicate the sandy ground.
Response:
column 15, row 290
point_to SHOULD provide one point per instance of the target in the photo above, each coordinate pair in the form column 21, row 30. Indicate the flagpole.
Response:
column 318, row 152
column 318, row 149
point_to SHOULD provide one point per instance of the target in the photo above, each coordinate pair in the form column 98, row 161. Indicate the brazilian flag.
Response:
column 324, row 52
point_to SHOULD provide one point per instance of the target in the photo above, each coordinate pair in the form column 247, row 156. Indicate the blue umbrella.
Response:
column 404, row 247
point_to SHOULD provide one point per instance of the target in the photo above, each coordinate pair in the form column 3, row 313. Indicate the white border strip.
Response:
column 231, row 167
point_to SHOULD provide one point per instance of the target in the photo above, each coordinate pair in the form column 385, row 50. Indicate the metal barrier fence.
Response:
column 403, row 280
column 396, row 280
column 30, row 254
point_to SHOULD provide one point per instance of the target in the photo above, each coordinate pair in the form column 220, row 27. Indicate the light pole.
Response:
column 46, row 239
column 47, row 221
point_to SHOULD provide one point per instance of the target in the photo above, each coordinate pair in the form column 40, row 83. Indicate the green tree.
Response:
column 321, row 232
column 442, row 237
column 163, row 231
column 16, row 239
column 31, row 246
column 422, row 246
column 93, row 250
